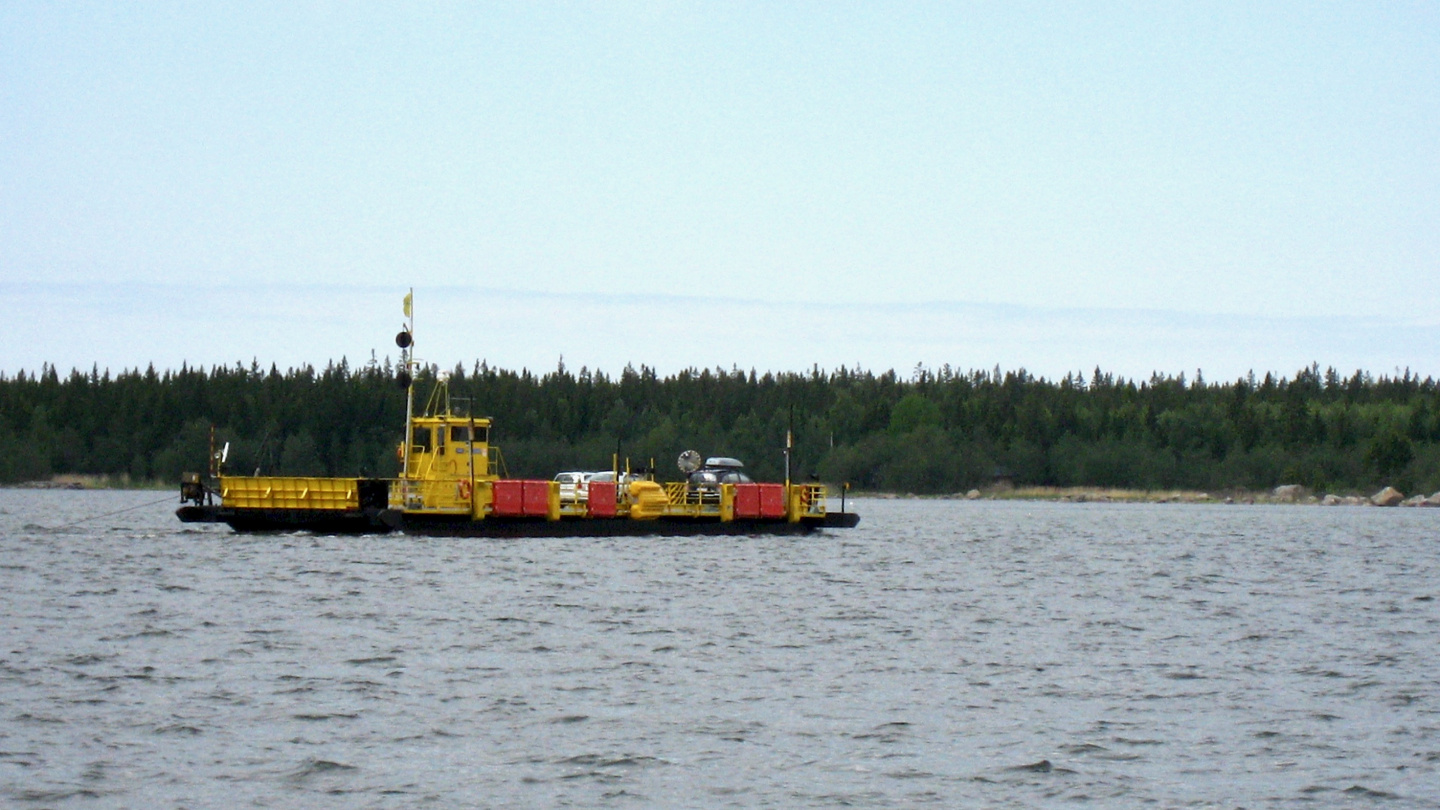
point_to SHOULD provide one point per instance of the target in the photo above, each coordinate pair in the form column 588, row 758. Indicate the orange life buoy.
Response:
column 464, row 490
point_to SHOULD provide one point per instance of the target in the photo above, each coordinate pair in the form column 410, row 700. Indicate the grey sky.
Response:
column 1038, row 185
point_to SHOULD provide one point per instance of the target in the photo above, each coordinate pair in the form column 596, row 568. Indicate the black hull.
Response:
column 384, row 521
column 287, row 520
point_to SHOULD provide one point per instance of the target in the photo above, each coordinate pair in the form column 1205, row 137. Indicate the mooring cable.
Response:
column 108, row 514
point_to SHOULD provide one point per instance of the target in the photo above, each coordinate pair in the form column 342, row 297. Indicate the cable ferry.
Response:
column 451, row 483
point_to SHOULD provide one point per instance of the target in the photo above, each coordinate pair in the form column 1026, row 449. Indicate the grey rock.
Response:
column 1389, row 496
column 1288, row 492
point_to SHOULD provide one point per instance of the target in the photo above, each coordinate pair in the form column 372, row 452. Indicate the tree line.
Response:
column 933, row 431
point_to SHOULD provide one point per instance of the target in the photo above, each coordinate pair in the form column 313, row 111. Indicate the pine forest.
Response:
column 934, row 431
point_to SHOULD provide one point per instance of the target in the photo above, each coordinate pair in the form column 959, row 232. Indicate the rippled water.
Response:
column 945, row 653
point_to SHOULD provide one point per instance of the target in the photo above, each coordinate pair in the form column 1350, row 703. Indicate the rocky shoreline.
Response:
column 1283, row 494
column 76, row 482
column 1389, row 496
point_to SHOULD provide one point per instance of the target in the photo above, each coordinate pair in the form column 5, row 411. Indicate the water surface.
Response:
column 945, row 653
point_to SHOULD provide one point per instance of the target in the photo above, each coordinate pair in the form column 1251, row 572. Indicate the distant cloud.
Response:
column 119, row 326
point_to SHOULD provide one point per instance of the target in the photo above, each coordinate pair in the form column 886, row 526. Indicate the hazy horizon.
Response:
column 292, row 326
column 771, row 185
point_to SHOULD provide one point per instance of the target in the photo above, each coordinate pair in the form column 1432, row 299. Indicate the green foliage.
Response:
column 912, row 412
column 1390, row 452
column 189, row 450
column 939, row 431
column 299, row 455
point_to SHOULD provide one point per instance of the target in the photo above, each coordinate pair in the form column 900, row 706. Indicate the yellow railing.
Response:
column 683, row 501
column 573, row 507
column 811, row 499
column 679, row 494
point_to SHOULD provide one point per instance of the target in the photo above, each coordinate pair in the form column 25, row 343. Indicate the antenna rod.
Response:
column 406, row 355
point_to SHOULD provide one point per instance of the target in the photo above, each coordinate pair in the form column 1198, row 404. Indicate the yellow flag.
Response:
column 409, row 297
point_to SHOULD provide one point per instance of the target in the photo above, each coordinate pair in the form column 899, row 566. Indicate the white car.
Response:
column 607, row 475
column 575, row 486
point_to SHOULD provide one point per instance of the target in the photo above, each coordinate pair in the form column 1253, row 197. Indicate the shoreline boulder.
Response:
column 1288, row 493
column 1389, row 496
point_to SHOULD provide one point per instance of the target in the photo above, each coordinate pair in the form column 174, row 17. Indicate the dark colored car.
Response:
column 705, row 482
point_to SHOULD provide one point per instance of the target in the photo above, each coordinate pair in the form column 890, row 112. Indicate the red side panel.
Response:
column 509, row 498
column 747, row 500
column 602, row 499
column 772, row 500
column 537, row 498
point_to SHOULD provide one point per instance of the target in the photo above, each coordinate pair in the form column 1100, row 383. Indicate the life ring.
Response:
column 400, row 452
column 464, row 490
